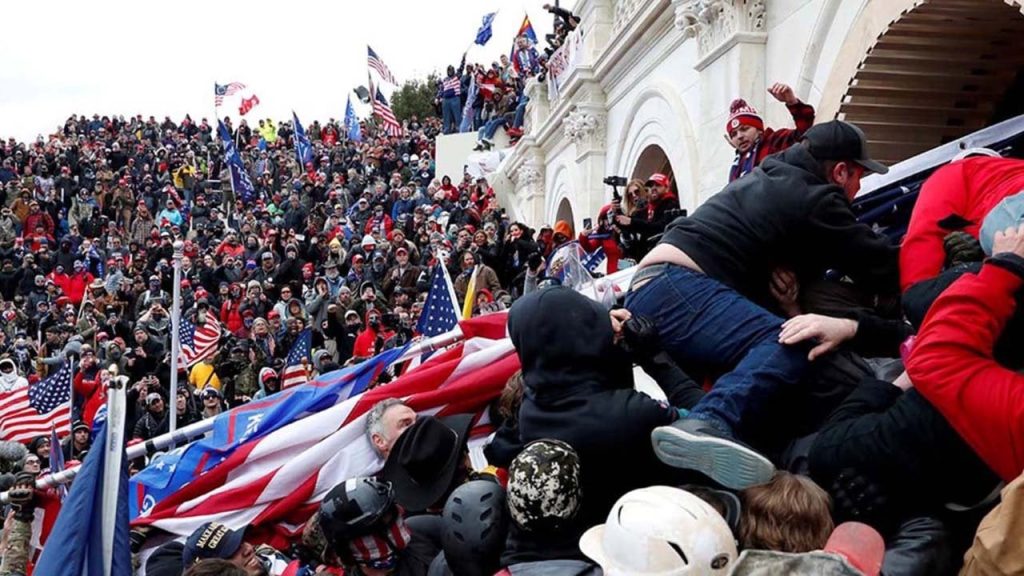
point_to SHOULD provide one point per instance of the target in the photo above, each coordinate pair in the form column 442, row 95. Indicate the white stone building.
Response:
column 647, row 85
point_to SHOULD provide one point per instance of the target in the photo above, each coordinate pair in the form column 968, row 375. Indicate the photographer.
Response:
column 662, row 208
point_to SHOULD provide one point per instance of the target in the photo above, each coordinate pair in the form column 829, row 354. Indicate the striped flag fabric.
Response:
column 221, row 92
column 33, row 410
column 377, row 64
column 383, row 110
column 233, row 429
column 271, row 485
column 198, row 340
column 295, row 371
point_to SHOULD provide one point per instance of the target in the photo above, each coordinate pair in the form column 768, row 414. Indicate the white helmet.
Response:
column 661, row 531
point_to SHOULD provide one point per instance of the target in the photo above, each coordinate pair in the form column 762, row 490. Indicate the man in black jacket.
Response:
column 702, row 282
column 578, row 388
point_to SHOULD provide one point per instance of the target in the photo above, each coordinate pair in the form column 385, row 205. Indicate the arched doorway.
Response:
column 939, row 71
column 564, row 212
column 654, row 160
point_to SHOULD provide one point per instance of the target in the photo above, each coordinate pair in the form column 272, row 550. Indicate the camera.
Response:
column 615, row 180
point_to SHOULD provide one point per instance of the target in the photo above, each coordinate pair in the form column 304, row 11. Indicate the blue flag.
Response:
column 57, row 461
column 484, row 33
column 303, row 149
column 75, row 544
column 355, row 134
column 169, row 472
column 240, row 181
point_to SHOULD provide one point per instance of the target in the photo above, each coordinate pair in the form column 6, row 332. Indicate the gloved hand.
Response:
column 961, row 248
column 640, row 335
column 23, row 496
column 860, row 498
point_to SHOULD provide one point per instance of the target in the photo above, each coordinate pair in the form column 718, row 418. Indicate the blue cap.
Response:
column 211, row 540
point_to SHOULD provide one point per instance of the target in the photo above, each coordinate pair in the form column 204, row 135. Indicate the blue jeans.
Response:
column 704, row 322
column 487, row 132
column 520, row 111
column 451, row 114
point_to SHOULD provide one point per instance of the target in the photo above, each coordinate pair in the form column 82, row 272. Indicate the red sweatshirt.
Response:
column 968, row 189
column 952, row 366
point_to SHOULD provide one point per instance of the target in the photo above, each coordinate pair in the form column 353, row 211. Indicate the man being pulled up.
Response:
column 705, row 283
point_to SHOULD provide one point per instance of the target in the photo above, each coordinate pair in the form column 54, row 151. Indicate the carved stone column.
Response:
column 529, row 181
column 730, row 37
column 585, row 126
column 718, row 25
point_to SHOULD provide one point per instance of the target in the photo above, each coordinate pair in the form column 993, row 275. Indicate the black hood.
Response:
column 565, row 345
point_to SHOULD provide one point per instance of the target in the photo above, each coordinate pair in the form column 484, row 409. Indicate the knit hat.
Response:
column 743, row 114
column 544, row 485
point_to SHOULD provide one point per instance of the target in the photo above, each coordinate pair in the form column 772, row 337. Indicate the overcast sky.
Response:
column 59, row 57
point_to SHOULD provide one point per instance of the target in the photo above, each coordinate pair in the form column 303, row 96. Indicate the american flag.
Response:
column 440, row 311
column 382, row 109
column 198, row 342
column 220, row 92
column 377, row 64
column 294, row 372
column 31, row 411
column 273, row 483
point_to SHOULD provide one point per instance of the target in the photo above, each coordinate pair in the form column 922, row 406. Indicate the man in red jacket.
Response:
column 955, row 198
column 952, row 362
column 746, row 133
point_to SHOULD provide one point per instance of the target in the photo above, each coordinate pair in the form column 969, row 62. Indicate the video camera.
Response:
column 615, row 182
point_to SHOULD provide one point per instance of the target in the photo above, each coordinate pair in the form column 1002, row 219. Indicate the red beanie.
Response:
column 743, row 114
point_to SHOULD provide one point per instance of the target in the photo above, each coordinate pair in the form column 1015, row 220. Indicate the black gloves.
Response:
column 961, row 248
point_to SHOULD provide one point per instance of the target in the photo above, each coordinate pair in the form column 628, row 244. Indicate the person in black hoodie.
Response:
column 703, row 283
column 578, row 388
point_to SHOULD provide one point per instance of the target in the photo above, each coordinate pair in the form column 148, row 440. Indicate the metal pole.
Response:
column 114, row 447
column 172, row 400
column 71, row 392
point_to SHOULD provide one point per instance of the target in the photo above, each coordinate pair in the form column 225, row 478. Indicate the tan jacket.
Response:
column 997, row 546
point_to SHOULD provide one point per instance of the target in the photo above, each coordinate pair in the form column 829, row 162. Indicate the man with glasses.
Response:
column 154, row 422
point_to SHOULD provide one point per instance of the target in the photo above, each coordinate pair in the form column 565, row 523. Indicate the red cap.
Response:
column 659, row 180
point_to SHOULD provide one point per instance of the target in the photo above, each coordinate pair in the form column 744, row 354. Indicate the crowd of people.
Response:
column 833, row 402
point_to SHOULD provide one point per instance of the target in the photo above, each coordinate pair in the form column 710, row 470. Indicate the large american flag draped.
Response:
column 441, row 310
column 294, row 372
column 272, row 484
column 382, row 109
column 229, row 89
column 198, row 341
column 31, row 411
column 377, row 64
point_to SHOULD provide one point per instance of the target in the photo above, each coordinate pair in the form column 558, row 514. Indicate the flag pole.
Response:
column 71, row 392
column 112, row 477
column 179, row 248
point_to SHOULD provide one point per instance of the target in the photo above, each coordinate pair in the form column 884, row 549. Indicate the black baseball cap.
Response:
column 838, row 140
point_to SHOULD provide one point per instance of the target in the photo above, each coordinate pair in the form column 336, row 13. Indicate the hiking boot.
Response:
column 694, row 444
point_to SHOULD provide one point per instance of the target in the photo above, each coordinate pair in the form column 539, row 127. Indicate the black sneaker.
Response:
column 696, row 445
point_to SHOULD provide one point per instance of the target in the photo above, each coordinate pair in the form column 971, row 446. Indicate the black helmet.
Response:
column 475, row 527
column 355, row 508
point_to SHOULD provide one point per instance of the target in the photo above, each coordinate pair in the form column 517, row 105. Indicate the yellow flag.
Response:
column 467, row 306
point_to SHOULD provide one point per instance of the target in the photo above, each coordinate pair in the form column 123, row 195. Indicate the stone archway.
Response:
column 938, row 71
column 564, row 212
column 653, row 160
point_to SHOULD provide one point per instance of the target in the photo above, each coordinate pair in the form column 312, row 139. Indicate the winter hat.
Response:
column 743, row 114
column 544, row 486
